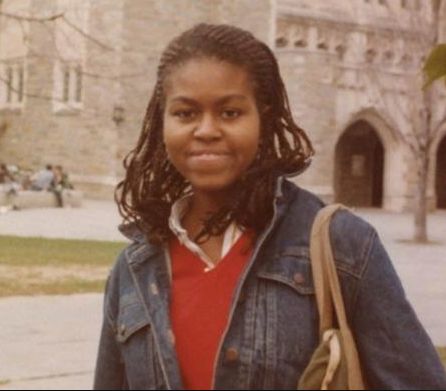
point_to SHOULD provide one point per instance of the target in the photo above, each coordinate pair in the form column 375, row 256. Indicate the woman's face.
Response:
column 211, row 123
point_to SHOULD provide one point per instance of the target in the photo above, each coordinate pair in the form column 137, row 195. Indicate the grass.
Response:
column 32, row 266
column 57, row 252
column 3, row 382
column 9, row 287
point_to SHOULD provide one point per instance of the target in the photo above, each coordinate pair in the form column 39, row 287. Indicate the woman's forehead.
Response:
column 200, row 75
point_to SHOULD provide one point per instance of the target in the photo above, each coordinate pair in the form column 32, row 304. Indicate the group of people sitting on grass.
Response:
column 50, row 178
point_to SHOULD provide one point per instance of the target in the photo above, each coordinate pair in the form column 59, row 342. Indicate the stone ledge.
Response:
column 25, row 199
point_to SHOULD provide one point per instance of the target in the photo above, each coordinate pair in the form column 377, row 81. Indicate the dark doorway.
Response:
column 440, row 181
column 359, row 167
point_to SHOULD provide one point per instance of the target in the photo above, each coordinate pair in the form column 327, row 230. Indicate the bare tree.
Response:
column 414, row 105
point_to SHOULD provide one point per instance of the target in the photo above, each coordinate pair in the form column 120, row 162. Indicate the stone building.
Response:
column 76, row 76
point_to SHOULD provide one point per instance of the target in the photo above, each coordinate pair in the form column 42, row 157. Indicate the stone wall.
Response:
column 119, row 54
column 441, row 175
column 342, row 62
column 356, row 61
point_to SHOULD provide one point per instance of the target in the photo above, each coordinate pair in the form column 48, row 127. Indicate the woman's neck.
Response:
column 200, row 207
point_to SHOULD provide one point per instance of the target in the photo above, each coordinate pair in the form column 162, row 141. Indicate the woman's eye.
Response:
column 184, row 114
column 230, row 114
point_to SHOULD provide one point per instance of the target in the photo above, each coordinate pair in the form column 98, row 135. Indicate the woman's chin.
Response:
column 212, row 185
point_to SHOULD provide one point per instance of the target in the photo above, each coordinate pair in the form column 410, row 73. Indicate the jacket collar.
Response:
column 132, row 232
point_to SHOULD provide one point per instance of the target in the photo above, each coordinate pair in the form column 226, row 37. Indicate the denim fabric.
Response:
column 273, row 322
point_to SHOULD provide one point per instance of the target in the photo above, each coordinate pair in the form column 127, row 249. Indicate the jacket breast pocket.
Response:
column 131, row 319
column 291, row 267
column 137, row 345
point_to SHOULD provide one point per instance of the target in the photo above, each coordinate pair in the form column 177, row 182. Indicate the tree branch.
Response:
column 44, row 19
column 86, row 35
column 52, row 18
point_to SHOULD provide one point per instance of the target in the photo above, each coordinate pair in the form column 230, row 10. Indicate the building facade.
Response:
column 76, row 77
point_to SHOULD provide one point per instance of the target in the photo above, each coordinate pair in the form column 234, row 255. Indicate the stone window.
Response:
column 300, row 43
column 322, row 45
column 322, row 39
column 388, row 56
column 340, row 50
column 68, row 86
column 300, row 36
column 12, row 88
column 370, row 55
column 338, row 43
column 281, row 42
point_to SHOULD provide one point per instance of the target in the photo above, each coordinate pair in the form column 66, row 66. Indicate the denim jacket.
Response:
column 273, row 322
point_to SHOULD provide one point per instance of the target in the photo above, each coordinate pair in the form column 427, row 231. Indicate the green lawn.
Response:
column 30, row 266
column 57, row 252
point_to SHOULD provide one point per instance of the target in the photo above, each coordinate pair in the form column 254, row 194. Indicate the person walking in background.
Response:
column 215, row 290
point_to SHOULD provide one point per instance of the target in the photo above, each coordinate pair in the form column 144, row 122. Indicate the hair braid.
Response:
column 152, row 184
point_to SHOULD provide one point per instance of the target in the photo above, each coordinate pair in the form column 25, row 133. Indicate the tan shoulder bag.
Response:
column 335, row 362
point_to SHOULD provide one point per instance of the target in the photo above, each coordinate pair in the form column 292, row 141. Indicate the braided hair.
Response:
column 152, row 184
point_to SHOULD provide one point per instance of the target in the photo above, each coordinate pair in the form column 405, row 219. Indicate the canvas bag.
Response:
column 334, row 364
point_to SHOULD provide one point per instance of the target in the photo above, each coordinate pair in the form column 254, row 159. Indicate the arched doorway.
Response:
column 440, row 180
column 359, row 166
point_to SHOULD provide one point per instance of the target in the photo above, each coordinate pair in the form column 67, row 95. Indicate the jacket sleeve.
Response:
column 110, row 371
column 394, row 349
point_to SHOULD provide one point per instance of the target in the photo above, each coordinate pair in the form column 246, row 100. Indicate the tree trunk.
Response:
column 420, row 207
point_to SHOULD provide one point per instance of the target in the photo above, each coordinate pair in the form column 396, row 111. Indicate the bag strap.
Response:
column 328, row 291
column 321, row 259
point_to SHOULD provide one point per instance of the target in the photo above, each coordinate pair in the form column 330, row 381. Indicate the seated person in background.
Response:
column 8, row 182
column 5, row 175
column 59, row 183
column 61, row 178
column 43, row 179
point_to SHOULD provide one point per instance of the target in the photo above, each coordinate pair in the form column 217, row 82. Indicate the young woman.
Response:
column 215, row 290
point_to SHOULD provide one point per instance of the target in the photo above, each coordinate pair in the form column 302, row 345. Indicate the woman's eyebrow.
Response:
column 222, row 100
column 183, row 99
column 228, row 98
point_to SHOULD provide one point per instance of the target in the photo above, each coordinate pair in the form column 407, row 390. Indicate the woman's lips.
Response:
column 208, row 157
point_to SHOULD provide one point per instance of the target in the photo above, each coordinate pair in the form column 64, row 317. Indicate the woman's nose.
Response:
column 208, row 128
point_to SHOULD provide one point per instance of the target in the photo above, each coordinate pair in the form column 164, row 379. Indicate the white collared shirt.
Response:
column 179, row 208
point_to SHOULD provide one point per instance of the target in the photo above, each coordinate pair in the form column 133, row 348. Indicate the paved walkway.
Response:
column 50, row 342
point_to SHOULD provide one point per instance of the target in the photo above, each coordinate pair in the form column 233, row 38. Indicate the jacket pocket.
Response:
column 291, row 267
column 131, row 318
column 137, row 346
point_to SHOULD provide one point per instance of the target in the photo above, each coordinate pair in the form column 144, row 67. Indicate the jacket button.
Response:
column 231, row 355
column 122, row 329
column 299, row 278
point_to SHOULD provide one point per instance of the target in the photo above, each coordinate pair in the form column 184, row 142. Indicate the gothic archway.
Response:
column 440, row 177
column 359, row 166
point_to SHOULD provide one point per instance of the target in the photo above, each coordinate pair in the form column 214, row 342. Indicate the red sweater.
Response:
column 200, row 307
